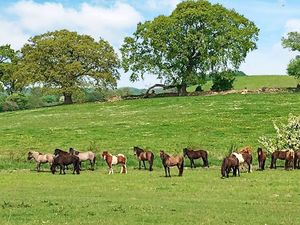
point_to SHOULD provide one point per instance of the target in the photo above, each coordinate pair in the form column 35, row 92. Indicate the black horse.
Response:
column 62, row 159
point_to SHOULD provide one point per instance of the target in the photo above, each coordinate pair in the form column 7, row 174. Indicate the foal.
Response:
column 170, row 161
column 261, row 157
column 114, row 160
column 40, row 158
column 191, row 154
column 143, row 156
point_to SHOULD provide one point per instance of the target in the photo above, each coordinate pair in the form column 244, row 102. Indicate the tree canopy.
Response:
column 197, row 39
column 67, row 60
column 292, row 42
column 11, row 77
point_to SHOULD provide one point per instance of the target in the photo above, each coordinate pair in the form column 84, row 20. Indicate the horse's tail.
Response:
column 223, row 168
column 151, row 161
column 94, row 162
column 77, row 166
column 181, row 167
column 206, row 159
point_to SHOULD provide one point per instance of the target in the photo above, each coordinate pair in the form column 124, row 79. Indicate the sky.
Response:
column 115, row 19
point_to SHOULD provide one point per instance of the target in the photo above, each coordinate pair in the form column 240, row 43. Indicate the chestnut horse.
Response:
column 261, row 157
column 40, row 158
column 297, row 160
column 230, row 163
column 143, row 156
column 114, row 160
column 287, row 155
column 62, row 159
column 196, row 154
column 170, row 161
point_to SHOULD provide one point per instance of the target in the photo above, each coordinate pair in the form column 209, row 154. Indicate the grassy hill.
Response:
column 212, row 123
column 256, row 82
column 141, row 197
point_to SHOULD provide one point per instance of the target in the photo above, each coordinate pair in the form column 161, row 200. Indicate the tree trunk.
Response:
column 68, row 98
column 182, row 89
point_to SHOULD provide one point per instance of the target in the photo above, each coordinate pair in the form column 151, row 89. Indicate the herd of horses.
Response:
column 231, row 163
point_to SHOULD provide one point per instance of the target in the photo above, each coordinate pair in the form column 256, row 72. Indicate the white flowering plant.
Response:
column 287, row 136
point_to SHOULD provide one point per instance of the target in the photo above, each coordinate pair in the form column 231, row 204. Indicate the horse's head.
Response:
column 259, row 150
column 71, row 151
column 135, row 149
column 57, row 152
column 185, row 152
column 162, row 154
column 29, row 156
column 104, row 154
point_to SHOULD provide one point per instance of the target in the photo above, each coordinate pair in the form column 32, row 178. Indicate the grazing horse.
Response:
column 261, row 157
column 143, row 156
column 230, row 163
column 297, row 160
column 84, row 156
column 62, row 159
column 196, row 154
column 244, row 157
column 287, row 155
column 114, row 160
column 170, row 161
column 40, row 158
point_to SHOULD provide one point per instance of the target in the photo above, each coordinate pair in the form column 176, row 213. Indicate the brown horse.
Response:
column 170, row 161
column 261, row 157
column 287, row 155
column 143, row 156
column 62, row 159
column 196, row 154
column 114, row 160
column 230, row 163
column 244, row 157
column 297, row 160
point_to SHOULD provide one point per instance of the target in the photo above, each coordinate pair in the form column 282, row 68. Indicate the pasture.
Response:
column 212, row 123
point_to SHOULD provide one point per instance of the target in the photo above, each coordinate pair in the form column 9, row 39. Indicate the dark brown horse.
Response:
column 297, row 160
column 230, row 163
column 143, row 156
column 170, row 161
column 261, row 157
column 287, row 155
column 62, row 159
column 196, row 154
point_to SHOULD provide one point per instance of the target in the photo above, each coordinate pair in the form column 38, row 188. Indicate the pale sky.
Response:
column 115, row 19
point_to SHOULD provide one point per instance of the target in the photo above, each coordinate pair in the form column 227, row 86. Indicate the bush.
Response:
column 223, row 81
column 20, row 99
column 287, row 136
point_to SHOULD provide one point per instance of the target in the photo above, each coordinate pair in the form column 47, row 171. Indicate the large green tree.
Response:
column 11, row 76
column 197, row 39
column 292, row 42
column 67, row 61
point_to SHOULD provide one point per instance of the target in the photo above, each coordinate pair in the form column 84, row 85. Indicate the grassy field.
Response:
column 257, row 82
column 213, row 123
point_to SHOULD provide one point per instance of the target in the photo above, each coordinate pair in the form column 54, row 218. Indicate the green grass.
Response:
column 140, row 197
column 257, row 82
column 213, row 123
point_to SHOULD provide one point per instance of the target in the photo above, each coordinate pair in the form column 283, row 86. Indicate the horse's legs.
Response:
column 191, row 162
column 139, row 164
column 166, row 173
column 169, row 171
column 38, row 166
column 263, row 164
column 150, row 165
column 144, row 164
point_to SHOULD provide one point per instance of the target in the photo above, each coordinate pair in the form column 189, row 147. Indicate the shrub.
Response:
column 20, row 99
column 223, row 81
column 49, row 99
column 287, row 136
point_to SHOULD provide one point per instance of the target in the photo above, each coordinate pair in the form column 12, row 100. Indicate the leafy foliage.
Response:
column 287, row 136
column 68, row 61
column 198, row 38
column 11, row 76
column 292, row 42
column 223, row 81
